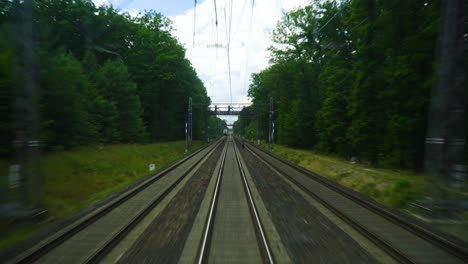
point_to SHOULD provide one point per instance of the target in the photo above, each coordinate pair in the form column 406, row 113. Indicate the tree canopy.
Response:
column 103, row 75
column 351, row 78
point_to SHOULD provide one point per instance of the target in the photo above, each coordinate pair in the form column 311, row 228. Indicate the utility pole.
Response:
column 445, row 138
column 271, row 125
column 258, row 127
column 273, row 135
column 186, row 137
column 206, row 126
column 191, row 122
column 190, row 125
column 26, row 143
column 216, row 121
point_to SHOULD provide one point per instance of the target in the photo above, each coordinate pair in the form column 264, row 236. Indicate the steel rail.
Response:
column 253, row 207
column 210, row 218
column 420, row 232
column 45, row 246
column 394, row 253
column 104, row 249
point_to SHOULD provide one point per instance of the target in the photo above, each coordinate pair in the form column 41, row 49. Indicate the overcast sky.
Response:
column 250, row 38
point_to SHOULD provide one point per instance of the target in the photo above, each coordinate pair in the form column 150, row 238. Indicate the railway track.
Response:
column 405, row 242
column 233, row 229
column 91, row 237
column 230, row 220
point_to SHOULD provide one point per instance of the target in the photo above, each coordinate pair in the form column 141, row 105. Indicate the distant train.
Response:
column 225, row 132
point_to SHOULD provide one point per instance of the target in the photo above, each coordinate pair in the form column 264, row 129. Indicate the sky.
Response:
column 250, row 36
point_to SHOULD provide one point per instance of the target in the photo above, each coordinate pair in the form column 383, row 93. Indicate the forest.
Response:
column 348, row 78
column 102, row 76
column 351, row 78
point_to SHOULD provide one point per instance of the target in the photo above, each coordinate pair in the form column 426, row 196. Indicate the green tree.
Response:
column 66, row 103
column 352, row 78
column 113, row 77
column 332, row 118
column 117, row 87
column 105, row 112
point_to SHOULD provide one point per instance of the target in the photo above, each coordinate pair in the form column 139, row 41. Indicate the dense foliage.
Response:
column 351, row 78
column 103, row 76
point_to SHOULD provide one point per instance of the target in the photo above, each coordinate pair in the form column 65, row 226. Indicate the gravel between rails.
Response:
column 306, row 234
column 163, row 240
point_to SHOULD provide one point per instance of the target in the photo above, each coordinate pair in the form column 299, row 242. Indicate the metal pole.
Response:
column 26, row 143
column 190, row 124
column 273, row 135
column 270, row 123
column 258, row 127
column 186, row 138
column 206, row 126
column 444, row 154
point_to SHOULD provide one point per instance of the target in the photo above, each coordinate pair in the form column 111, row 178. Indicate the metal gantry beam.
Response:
column 228, row 109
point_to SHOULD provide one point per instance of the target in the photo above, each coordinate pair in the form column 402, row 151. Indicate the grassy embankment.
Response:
column 75, row 179
column 395, row 188
column 392, row 187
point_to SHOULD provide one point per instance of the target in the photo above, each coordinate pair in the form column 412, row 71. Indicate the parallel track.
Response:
column 207, row 234
column 404, row 241
column 253, row 208
column 117, row 217
column 203, row 255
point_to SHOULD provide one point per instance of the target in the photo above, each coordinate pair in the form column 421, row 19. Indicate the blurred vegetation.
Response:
column 107, row 83
column 103, row 76
column 75, row 179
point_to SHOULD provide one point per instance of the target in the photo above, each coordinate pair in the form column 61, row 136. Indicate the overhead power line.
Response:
column 216, row 15
column 216, row 45
column 329, row 20
column 194, row 21
column 228, row 39
column 248, row 49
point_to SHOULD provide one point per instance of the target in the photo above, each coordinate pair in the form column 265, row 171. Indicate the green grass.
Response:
column 72, row 180
column 392, row 187
column 395, row 188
